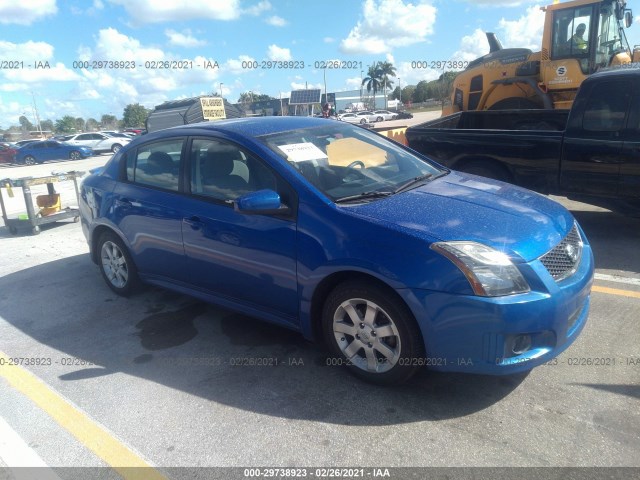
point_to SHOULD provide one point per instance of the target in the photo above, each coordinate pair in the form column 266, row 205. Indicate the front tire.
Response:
column 115, row 147
column 372, row 332
column 116, row 265
column 379, row 119
column 29, row 160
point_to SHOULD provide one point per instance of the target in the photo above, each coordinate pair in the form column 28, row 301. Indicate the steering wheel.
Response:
column 357, row 163
column 609, row 43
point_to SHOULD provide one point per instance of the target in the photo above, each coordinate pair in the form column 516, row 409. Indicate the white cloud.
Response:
column 148, row 86
column 526, row 32
column 328, row 40
column 56, row 73
column 304, row 86
column 238, row 66
column 500, row 3
column 257, row 9
column 153, row 11
column 184, row 39
column 387, row 24
column 472, row 46
column 27, row 52
column 25, row 12
column 275, row 52
column 276, row 21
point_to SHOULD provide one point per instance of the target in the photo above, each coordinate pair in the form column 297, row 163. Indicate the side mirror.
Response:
column 260, row 202
column 628, row 18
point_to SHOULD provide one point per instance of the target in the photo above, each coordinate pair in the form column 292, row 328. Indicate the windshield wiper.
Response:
column 364, row 196
column 413, row 182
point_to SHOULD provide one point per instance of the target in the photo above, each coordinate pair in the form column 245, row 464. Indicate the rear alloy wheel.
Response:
column 370, row 331
column 115, row 147
column 379, row 119
column 29, row 160
column 363, row 121
column 116, row 265
column 75, row 155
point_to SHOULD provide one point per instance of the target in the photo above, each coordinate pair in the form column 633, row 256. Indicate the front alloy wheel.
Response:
column 370, row 330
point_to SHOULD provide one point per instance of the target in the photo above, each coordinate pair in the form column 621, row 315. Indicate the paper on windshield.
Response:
column 301, row 152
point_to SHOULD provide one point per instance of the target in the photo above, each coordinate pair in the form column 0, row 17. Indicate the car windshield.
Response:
column 349, row 163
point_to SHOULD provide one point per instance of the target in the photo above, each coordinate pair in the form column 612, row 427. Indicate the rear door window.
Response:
column 156, row 164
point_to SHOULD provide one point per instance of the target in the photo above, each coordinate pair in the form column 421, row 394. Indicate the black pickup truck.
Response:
column 589, row 153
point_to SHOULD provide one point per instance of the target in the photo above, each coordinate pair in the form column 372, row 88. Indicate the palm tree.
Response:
column 372, row 81
column 386, row 70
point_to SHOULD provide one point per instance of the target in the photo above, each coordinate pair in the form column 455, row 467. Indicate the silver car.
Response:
column 382, row 115
column 99, row 142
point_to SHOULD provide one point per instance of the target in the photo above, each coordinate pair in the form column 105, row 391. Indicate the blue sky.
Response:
column 230, row 32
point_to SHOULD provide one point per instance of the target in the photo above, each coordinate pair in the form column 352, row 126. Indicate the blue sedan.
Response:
column 38, row 152
column 338, row 233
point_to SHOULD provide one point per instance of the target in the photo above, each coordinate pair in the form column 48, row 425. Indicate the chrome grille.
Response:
column 562, row 260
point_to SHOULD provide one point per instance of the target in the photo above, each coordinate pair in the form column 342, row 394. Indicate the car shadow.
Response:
column 216, row 354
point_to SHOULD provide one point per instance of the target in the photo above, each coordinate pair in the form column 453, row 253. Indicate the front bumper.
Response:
column 504, row 335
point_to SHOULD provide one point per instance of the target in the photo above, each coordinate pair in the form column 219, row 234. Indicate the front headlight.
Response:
column 490, row 272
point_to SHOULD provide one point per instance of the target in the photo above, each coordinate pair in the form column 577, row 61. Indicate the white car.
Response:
column 384, row 115
column 360, row 117
column 99, row 142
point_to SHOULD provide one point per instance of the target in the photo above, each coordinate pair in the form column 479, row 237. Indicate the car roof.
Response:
column 252, row 127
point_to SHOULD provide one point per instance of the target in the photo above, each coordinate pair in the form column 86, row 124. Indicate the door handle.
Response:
column 125, row 202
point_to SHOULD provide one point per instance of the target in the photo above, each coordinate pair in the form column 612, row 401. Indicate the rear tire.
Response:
column 515, row 103
column 75, row 155
column 372, row 332
column 29, row 160
column 115, row 147
column 116, row 265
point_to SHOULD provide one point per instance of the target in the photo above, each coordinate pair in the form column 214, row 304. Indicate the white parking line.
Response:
column 617, row 279
column 16, row 454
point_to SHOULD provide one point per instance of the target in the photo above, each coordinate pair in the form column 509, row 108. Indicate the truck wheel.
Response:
column 515, row 103
column 371, row 332
column 486, row 170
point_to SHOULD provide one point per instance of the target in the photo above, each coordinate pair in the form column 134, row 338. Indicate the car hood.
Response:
column 459, row 206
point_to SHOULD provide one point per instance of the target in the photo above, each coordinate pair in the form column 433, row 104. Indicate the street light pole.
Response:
column 221, row 89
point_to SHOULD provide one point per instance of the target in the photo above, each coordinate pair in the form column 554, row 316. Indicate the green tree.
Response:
column 372, row 82
column 249, row 97
column 135, row 115
column 386, row 70
column 47, row 125
column 66, row 124
column 407, row 93
column 91, row 124
column 108, row 122
column 421, row 92
column 25, row 124
column 80, row 124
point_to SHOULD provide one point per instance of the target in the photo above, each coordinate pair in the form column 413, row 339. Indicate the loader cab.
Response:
column 584, row 39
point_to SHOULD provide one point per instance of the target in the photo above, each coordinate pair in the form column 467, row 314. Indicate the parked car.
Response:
column 338, row 233
column 99, row 142
column 359, row 117
column 382, row 115
column 130, row 136
column 135, row 131
column 22, row 143
column 39, row 152
column 404, row 115
column 7, row 153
